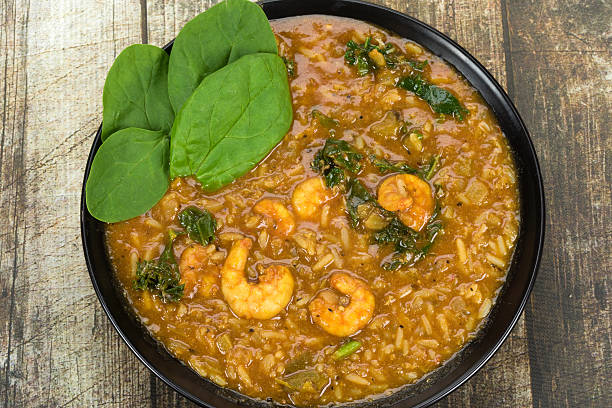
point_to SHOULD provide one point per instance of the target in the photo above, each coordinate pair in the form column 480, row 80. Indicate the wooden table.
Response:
column 57, row 347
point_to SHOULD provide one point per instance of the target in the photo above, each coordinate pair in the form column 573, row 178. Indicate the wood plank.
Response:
column 560, row 62
column 61, row 349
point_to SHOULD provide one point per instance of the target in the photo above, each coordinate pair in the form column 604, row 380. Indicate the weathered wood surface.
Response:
column 57, row 347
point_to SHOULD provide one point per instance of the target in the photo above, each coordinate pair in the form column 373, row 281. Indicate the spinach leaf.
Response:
column 199, row 224
column 359, row 55
column 162, row 274
column 136, row 91
column 129, row 174
column 232, row 120
column 334, row 158
column 425, row 172
column 385, row 166
column 440, row 100
column 213, row 39
column 410, row 246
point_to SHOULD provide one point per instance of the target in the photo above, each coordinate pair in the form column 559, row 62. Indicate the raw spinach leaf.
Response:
column 162, row 274
column 199, row 224
column 129, row 174
column 440, row 100
column 336, row 157
column 136, row 91
column 213, row 39
column 232, row 120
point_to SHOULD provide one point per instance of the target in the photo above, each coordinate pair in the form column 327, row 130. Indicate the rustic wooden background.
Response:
column 57, row 348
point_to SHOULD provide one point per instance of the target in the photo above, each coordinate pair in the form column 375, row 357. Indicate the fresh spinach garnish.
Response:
column 161, row 275
column 440, row 100
column 136, row 91
column 199, row 224
column 232, row 121
column 335, row 159
column 231, row 42
column 214, row 39
column 410, row 246
column 129, row 174
column 359, row 55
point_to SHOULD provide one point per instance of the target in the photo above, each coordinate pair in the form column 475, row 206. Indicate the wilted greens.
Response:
column 359, row 55
column 161, row 275
column 199, row 224
column 440, row 100
column 334, row 160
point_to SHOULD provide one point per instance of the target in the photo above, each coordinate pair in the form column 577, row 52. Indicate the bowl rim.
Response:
column 531, row 157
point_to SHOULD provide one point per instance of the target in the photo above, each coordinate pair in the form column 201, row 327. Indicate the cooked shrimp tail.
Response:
column 410, row 196
column 284, row 224
column 309, row 196
column 342, row 321
column 261, row 300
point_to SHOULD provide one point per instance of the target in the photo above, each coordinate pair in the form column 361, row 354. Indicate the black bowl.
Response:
column 510, row 302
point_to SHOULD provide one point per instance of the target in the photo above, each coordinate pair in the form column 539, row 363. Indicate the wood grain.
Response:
column 57, row 347
column 562, row 83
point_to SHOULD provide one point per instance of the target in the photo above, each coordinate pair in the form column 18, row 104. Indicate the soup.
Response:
column 361, row 254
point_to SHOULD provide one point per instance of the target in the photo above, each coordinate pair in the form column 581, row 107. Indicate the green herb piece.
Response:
column 161, row 275
column 440, row 100
column 232, row 121
column 346, row 349
column 304, row 381
column 324, row 120
column 410, row 246
column 418, row 65
column 385, row 166
column 425, row 172
column 336, row 157
column 199, row 224
column 213, row 39
column 358, row 55
column 129, row 174
column 291, row 66
column 430, row 169
column 136, row 91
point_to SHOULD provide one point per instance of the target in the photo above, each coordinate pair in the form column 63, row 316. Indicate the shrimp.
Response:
column 338, row 320
column 196, row 274
column 411, row 196
column 261, row 300
column 284, row 223
column 309, row 196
